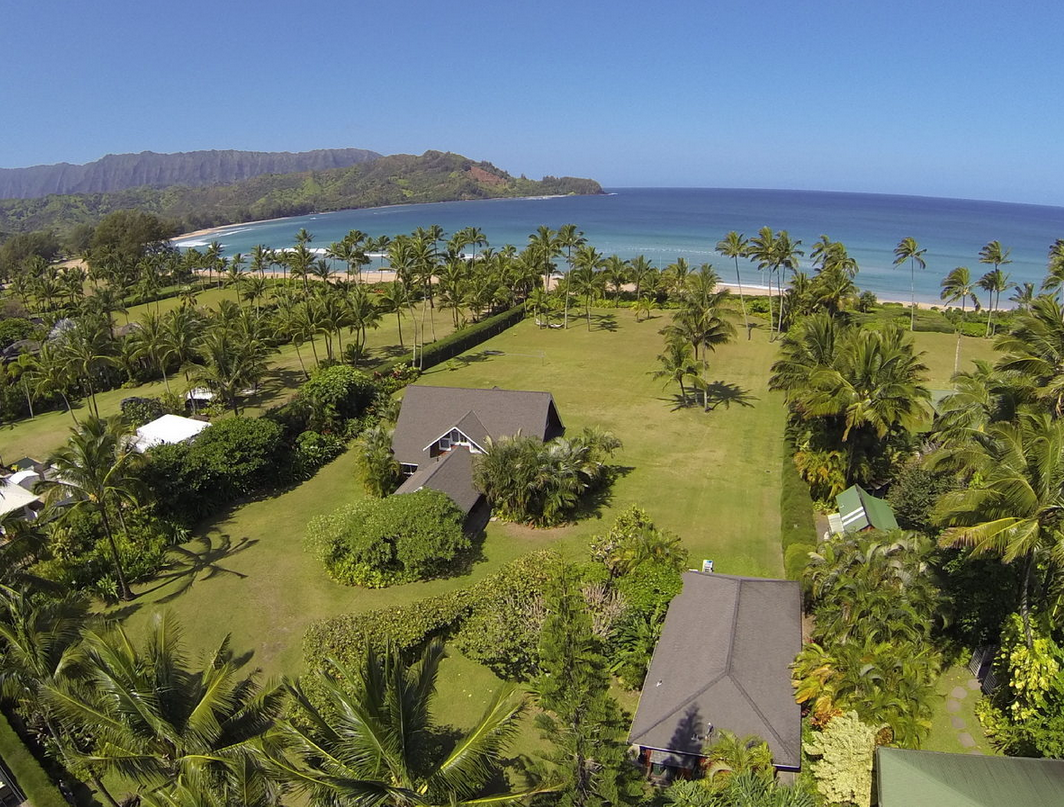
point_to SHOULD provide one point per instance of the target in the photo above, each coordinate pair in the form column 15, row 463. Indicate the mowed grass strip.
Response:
column 710, row 477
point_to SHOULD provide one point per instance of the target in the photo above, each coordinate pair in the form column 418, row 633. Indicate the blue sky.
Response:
column 932, row 98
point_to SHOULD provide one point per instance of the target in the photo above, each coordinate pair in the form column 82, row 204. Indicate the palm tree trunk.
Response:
column 123, row 586
column 98, row 784
column 1024, row 605
column 742, row 299
column 314, row 350
column 399, row 322
column 299, row 356
column 912, row 295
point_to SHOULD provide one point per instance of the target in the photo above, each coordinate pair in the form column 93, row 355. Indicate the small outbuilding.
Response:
column 16, row 500
column 167, row 430
column 859, row 510
column 907, row 778
column 722, row 663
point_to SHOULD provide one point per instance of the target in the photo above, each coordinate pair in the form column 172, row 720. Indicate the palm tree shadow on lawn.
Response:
column 605, row 322
column 189, row 565
column 594, row 502
column 719, row 393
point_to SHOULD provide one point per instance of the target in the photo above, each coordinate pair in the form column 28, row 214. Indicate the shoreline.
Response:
column 220, row 227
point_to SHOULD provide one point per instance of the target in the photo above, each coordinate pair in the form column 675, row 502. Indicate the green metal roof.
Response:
column 859, row 510
column 933, row 779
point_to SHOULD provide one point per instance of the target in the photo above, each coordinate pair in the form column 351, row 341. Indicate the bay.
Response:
column 665, row 224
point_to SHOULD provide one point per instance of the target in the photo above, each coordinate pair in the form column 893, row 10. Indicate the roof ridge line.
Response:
column 765, row 720
column 682, row 703
column 735, row 621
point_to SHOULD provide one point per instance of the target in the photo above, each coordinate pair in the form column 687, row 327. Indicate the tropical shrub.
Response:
column 335, row 395
column 313, row 450
column 14, row 329
column 633, row 540
column 380, row 542
column 235, row 457
column 539, row 483
column 138, row 411
column 506, row 616
column 913, row 495
column 1025, row 715
column 844, row 752
column 346, row 637
column 874, row 602
column 376, row 461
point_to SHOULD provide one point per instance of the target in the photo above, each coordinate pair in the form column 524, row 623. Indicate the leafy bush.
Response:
column 336, row 394
column 914, row 493
column 797, row 526
column 313, row 450
column 503, row 626
column 380, row 542
column 345, row 638
column 234, row 457
column 80, row 558
column 844, row 751
column 138, row 411
column 14, row 329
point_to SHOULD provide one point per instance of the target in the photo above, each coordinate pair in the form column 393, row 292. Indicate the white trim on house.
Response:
column 451, row 442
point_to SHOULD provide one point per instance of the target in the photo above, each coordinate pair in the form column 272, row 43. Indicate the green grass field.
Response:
column 696, row 472
column 39, row 436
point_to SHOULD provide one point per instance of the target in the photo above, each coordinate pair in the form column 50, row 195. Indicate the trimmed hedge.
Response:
column 460, row 341
column 345, row 638
column 797, row 526
column 29, row 775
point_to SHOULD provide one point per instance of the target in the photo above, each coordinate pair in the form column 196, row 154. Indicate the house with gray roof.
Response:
column 722, row 663
column 440, row 429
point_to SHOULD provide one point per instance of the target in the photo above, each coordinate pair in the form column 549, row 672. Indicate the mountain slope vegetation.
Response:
column 117, row 172
column 397, row 179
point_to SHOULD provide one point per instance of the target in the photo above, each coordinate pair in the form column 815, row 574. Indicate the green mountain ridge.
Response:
column 396, row 179
column 117, row 172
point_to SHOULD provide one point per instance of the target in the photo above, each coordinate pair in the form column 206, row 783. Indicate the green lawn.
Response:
column 940, row 350
column 697, row 473
column 944, row 736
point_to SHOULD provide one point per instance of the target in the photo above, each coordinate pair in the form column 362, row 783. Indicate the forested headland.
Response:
column 397, row 179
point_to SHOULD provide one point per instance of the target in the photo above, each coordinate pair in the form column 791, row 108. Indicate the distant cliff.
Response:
column 117, row 172
column 397, row 179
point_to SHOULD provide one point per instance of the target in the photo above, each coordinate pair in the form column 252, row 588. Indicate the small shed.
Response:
column 907, row 778
column 167, row 430
column 860, row 510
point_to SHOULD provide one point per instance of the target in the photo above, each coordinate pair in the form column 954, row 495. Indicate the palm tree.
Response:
column 958, row 285
column 366, row 738
column 1023, row 296
column 1034, row 349
column 395, row 299
column 736, row 245
column 567, row 238
column 588, row 263
column 151, row 339
column 88, row 349
column 94, row 470
column 377, row 463
column 157, row 721
column 993, row 282
column 909, row 250
column 642, row 270
column 544, row 244
column 677, row 364
column 50, row 373
column 231, row 364
column 729, row 755
column 1015, row 511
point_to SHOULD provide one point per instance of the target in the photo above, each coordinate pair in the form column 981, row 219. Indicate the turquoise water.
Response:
column 667, row 223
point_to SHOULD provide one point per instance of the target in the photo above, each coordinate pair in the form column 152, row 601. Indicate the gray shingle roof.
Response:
column 452, row 474
column 724, row 659
column 428, row 412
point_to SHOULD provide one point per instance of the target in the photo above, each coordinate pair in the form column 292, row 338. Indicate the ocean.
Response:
column 668, row 223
